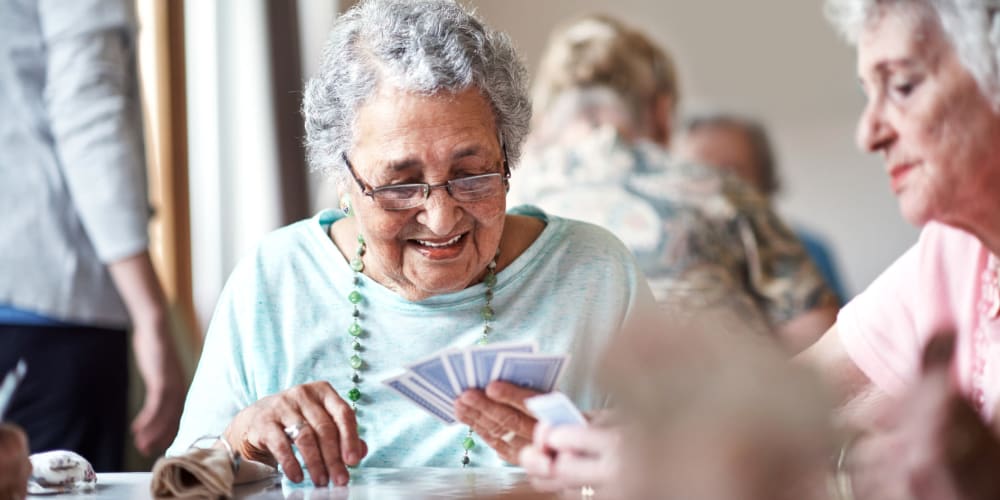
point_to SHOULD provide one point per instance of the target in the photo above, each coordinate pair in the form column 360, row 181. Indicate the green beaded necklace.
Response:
column 355, row 331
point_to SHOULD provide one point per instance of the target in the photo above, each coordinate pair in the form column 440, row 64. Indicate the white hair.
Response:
column 420, row 46
column 972, row 27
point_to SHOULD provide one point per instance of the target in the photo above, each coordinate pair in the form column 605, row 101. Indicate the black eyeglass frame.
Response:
column 427, row 188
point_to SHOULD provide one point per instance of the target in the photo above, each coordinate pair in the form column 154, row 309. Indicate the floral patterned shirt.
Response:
column 700, row 234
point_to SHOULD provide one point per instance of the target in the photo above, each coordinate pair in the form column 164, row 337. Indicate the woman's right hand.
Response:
column 15, row 468
column 328, row 438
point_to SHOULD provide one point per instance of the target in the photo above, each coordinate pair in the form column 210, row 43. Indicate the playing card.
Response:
column 555, row 409
column 479, row 360
column 538, row 372
column 433, row 372
column 405, row 386
column 454, row 365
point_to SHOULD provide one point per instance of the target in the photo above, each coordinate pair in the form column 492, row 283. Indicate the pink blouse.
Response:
column 948, row 281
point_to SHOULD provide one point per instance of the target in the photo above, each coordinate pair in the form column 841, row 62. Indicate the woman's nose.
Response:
column 874, row 132
column 440, row 212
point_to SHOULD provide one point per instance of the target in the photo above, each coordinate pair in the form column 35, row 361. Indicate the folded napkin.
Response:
column 198, row 473
column 60, row 471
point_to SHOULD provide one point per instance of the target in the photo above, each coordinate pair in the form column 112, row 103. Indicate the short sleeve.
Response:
column 879, row 328
column 219, row 390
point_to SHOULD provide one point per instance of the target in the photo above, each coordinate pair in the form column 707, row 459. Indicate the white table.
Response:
column 383, row 484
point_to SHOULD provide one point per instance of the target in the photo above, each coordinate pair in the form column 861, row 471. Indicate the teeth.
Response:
column 439, row 245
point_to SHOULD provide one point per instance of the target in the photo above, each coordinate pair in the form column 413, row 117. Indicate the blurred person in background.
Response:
column 604, row 101
column 742, row 145
column 75, row 270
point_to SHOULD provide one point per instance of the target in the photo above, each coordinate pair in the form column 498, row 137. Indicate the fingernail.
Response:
column 352, row 458
column 342, row 480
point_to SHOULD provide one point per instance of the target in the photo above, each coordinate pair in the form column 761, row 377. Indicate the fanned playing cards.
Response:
column 436, row 382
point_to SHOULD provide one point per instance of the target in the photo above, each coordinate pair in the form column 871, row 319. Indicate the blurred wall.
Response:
column 779, row 61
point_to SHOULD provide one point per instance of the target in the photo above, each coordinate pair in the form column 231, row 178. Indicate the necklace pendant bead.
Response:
column 354, row 394
column 356, row 345
column 356, row 362
column 357, row 264
column 354, row 329
column 491, row 280
column 468, row 443
column 465, row 461
column 356, row 378
column 487, row 313
column 354, row 297
column 482, row 341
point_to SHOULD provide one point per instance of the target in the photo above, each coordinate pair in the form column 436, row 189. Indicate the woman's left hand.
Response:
column 498, row 415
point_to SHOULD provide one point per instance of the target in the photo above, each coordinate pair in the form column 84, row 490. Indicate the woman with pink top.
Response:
column 915, row 358
column 931, row 72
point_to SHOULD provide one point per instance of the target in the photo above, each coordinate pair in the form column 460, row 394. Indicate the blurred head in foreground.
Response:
column 710, row 412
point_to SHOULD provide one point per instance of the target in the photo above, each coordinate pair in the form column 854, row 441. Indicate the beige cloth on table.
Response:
column 199, row 473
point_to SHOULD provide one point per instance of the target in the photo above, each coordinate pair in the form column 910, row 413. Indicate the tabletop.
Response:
column 366, row 483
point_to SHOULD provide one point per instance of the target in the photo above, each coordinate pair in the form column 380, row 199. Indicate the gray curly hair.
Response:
column 972, row 26
column 421, row 46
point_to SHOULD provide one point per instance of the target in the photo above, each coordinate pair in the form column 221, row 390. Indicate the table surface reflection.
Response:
column 366, row 483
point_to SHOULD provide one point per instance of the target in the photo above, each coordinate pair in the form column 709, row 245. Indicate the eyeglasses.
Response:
column 464, row 189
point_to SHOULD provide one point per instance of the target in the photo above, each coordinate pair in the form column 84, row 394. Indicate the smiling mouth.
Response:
column 440, row 244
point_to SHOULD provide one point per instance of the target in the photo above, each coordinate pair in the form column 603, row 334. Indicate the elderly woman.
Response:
column 929, row 69
column 419, row 111
column 930, row 72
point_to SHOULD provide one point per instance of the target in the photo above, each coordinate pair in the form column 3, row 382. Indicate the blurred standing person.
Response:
column 604, row 98
column 742, row 145
column 75, row 271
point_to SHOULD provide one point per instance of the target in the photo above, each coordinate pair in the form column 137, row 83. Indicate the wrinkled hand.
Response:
column 327, row 442
column 494, row 413
column 159, row 366
column 572, row 456
column 15, row 468
column 932, row 445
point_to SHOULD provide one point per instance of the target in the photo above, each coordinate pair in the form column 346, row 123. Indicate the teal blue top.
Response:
column 283, row 316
